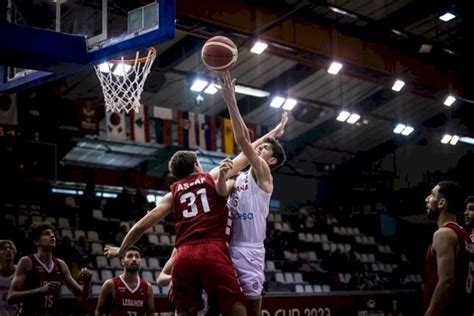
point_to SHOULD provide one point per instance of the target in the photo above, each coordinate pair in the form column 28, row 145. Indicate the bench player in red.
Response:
column 449, row 266
column 38, row 278
column 126, row 294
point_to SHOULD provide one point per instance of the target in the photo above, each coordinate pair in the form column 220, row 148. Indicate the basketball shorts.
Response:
column 205, row 265
column 249, row 264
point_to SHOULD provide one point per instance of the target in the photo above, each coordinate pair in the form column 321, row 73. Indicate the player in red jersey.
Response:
column 126, row 294
column 469, row 215
column 202, row 258
column 448, row 271
column 39, row 277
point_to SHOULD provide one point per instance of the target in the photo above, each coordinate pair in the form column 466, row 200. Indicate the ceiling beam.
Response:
column 307, row 37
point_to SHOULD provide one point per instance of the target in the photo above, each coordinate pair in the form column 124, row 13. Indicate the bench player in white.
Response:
column 249, row 202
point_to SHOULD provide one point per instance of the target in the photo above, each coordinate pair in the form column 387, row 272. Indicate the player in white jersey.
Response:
column 249, row 202
column 469, row 215
column 7, row 270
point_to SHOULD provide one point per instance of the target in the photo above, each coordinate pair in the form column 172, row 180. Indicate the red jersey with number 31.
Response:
column 201, row 213
column 462, row 300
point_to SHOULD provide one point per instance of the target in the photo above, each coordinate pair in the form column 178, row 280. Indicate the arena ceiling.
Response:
column 376, row 41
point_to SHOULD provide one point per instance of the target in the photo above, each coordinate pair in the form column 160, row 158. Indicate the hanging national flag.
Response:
column 140, row 131
column 8, row 109
column 192, row 132
column 186, row 129
column 207, row 132
column 116, row 125
column 89, row 117
column 163, row 120
column 227, row 133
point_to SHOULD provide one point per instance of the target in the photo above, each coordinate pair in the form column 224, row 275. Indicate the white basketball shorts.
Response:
column 249, row 265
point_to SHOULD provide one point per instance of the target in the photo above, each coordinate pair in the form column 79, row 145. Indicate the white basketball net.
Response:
column 123, row 80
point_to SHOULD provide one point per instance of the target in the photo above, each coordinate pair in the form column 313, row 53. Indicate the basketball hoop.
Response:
column 122, row 81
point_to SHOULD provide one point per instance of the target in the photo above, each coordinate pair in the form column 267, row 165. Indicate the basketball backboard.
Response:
column 45, row 39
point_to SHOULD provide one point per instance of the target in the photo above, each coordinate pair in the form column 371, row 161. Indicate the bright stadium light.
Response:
column 399, row 128
column 446, row 138
column 343, row 116
column 398, row 85
column 289, row 104
column 447, row 17
column 454, row 140
column 335, row 67
column 121, row 69
column 353, row 118
column 211, row 89
column 259, row 47
column 449, row 100
column 199, row 85
column 277, row 102
column 407, row 130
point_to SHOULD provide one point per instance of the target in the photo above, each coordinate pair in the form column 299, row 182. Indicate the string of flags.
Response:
column 166, row 126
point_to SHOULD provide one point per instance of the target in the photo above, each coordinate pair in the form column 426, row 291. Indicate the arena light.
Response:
column 407, row 130
column 251, row 91
column 449, row 100
column 277, row 102
column 399, row 128
column 335, row 68
column 342, row 12
column 122, row 69
column 398, row 85
column 353, row 118
column 289, row 104
column 259, row 47
column 447, row 17
column 454, row 140
column 467, row 140
column 211, row 89
column 425, row 48
column 446, row 138
column 343, row 116
column 105, row 67
column 199, row 85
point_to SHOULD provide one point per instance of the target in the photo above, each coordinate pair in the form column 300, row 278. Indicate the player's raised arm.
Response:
column 241, row 133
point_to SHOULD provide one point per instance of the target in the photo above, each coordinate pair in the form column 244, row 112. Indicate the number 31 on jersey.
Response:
column 190, row 198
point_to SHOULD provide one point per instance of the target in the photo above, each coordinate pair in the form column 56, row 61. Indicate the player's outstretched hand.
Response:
column 279, row 130
column 111, row 251
column 227, row 86
column 224, row 167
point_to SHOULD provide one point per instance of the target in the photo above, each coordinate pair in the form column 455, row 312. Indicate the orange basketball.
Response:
column 219, row 53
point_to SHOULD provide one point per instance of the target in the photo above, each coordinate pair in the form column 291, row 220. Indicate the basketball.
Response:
column 219, row 53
